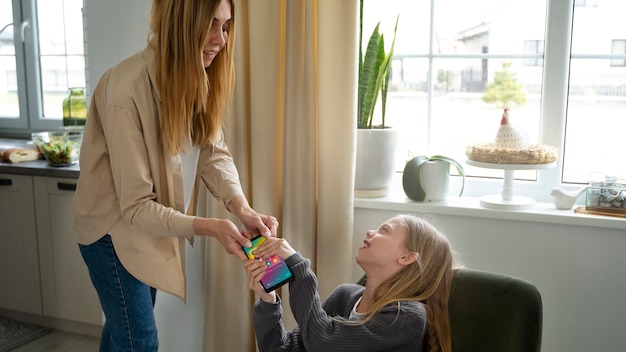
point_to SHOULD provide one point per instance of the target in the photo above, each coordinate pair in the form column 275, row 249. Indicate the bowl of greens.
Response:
column 59, row 148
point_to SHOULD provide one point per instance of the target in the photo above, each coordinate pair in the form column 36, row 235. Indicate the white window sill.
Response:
column 471, row 207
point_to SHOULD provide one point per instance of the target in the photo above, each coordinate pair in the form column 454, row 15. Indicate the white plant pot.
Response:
column 375, row 161
column 435, row 180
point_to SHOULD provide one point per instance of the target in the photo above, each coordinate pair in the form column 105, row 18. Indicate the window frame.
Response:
column 28, row 75
column 555, row 92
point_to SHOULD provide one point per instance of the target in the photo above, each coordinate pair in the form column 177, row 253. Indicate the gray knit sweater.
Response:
column 393, row 329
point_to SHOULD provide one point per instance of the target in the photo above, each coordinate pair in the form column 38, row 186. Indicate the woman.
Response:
column 403, row 306
column 153, row 134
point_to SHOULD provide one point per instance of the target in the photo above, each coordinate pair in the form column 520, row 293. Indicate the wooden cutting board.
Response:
column 614, row 213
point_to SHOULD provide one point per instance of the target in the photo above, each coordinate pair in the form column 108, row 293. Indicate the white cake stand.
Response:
column 507, row 199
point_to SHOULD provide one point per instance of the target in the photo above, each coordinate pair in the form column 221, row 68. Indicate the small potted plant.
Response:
column 427, row 178
column 376, row 144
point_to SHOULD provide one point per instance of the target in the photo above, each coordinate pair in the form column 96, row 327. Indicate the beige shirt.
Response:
column 131, row 187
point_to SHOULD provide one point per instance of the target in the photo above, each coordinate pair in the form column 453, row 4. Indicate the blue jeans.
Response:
column 128, row 303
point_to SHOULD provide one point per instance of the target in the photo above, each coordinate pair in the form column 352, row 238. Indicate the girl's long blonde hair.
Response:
column 428, row 280
column 193, row 99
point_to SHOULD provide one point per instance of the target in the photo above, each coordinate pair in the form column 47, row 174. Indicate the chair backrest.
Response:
column 494, row 312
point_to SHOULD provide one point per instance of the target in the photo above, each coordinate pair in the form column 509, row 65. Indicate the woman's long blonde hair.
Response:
column 193, row 99
column 428, row 280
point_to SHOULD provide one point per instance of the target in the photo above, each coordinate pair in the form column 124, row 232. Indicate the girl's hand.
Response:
column 256, row 269
column 274, row 246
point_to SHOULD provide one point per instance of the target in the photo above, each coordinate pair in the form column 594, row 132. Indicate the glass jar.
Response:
column 75, row 107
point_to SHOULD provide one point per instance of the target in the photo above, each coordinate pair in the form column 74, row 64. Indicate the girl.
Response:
column 403, row 306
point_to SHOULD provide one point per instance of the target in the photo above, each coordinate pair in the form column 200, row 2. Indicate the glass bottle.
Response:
column 75, row 107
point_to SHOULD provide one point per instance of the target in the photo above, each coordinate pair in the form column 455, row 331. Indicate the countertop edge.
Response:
column 40, row 168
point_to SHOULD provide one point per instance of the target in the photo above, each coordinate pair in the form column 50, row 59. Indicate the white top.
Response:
column 354, row 315
column 190, row 168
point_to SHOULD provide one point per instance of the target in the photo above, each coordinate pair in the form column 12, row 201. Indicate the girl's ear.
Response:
column 408, row 258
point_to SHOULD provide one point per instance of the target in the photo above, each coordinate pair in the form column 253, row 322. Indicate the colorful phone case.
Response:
column 277, row 273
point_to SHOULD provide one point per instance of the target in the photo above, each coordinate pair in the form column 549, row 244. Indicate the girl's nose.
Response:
column 369, row 233
column 218, row 37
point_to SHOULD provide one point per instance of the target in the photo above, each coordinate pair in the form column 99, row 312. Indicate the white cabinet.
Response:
column 19, row 265
column 66, row 288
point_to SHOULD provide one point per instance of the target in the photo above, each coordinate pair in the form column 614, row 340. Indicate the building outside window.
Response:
column 533, row 48
column 618, row 47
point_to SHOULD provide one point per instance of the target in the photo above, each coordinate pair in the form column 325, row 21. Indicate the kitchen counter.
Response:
column 34, row 168
column 39, row 168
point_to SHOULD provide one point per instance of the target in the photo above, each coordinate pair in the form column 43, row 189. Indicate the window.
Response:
column 533, row 48
column 618, row 47
column 597, row 93
column 582, row 3
column 565, row 95
column 41, row 56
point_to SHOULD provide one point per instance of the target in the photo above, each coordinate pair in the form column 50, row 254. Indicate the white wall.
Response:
column 116, row 29
column 579, row 270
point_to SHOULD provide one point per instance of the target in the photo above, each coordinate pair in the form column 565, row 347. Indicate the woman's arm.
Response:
column 219, row 173
column 254, row 222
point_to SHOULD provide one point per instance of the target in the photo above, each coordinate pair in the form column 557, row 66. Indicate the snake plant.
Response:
column 374, row 74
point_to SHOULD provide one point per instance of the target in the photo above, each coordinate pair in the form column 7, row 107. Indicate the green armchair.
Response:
column 492, row 312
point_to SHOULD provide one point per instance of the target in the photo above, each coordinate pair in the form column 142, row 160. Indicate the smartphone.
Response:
column 277, row 273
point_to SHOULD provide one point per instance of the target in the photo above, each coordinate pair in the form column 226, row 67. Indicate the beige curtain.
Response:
column 291, row 130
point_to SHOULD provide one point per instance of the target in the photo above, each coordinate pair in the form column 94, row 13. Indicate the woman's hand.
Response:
column 225, row 232
column 256, row 269
column 274, row 246
column 253, row 222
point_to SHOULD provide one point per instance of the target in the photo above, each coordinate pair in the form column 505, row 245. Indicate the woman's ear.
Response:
column 408, row 258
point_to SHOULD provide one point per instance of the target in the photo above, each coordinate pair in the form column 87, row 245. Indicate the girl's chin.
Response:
column 208, row 59
column 357, row 259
